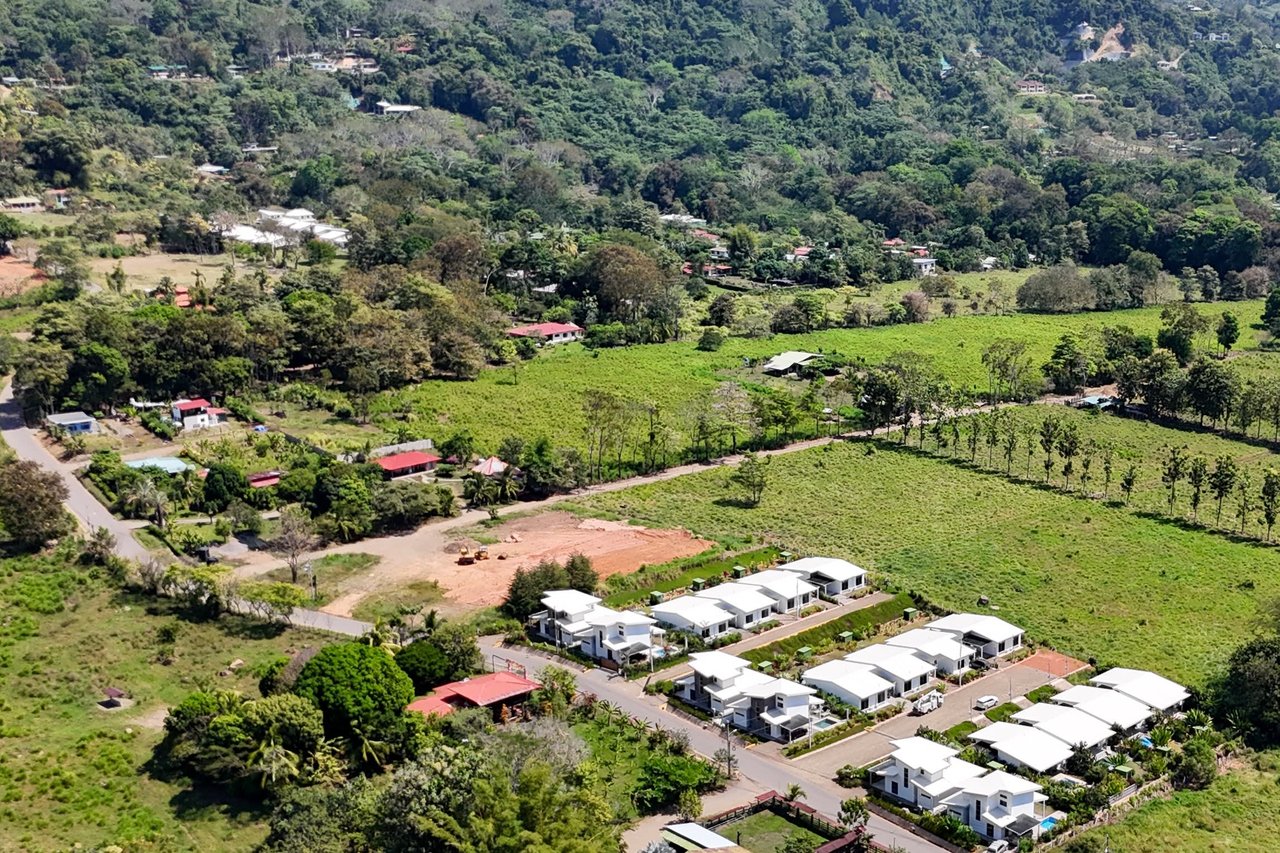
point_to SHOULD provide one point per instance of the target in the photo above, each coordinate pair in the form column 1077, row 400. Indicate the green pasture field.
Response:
column 1090, row 579
column 1238, row 812
column 765, row 832
column 332, row 574
column 72, row 774
column 544, row 396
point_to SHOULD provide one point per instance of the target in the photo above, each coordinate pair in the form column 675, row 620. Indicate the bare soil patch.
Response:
column 18, row 276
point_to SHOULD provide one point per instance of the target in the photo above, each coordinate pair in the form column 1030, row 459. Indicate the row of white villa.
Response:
column 999, row 805
column 874, row 676
column 745, row 603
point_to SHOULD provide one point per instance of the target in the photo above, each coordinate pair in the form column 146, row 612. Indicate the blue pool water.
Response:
column 823, row 724
column 1048, row 824
column 1145, row 741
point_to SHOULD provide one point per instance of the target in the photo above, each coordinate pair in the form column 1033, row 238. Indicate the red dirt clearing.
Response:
column 614, row 548
column 1054, row 663
column 18, row 276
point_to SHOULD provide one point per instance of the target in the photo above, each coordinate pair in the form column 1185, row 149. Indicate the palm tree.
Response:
column 794, row 792
column 478, row 489
column 147, row 497
column 275, row 764
column 507, row 485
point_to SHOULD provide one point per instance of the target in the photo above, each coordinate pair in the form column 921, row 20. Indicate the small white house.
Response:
column 999, row 806
column 564, row 621
column 924, row 267
column 1146, row 687
column 788, row 590
column 943, row 650
column 73, row 423
column 575, row 619
column 696, row 615
column 1070, row 725
column 196, row 414
column 835, row 577
column 761, row 704
column 991, row 636
column 853, row 683
column 1023, row 746
column 922, row 773
column 1115, row 709
column 907, row 672
column 746, row 604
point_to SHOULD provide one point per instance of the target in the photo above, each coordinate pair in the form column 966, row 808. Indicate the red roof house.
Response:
column 402, row 464
column 195, row 405
column 551, row 333
column 491, row 467
column 263, row 479
column 484, row 691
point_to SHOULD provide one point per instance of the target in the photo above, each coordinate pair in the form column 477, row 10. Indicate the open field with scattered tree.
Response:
column 1094, row 580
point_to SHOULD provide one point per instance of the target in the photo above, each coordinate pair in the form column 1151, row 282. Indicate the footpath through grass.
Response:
column 1092, row 580
column 544, row 396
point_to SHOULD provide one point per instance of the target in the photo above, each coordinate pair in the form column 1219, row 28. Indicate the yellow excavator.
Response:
column 465, row 557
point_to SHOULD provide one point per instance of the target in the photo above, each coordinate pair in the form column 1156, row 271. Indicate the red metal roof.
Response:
column 404, row 461
column 192, row 405
column 481, row 691
column 544, row 329
column 263, row 479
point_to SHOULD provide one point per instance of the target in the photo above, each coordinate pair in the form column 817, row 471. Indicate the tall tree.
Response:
column 31, row 505
column 1222, row 479
column 1175, row 468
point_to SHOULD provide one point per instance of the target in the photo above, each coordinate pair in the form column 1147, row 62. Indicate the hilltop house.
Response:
column 1023, row 746
column 23, row 204
column 1112, row 707
column 901, row 667
column 835, row 577
column 1031, row 87
column 196, row 414
column 408, row 463
column 575, row 619
column 726, row 686
column 748, row 606
column 990, row 636
column 1146, row 687
column 73, row 423
column 943, row 650
column 788, row 362
column 789, row 592
column 924, row 267
column 494, row 690
column 999, row 806
column 1070, row 725
column 922, row 773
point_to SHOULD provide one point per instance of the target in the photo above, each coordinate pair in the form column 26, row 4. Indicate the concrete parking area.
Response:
column 1006, row 683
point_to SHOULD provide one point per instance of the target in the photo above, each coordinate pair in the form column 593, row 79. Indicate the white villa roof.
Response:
column 1146, row 687
column 1113, row 708
column 898, row 662
column 993, row 629
column 787, row 360
column 65, row 418
column 830, row 568
column 778, row 687
column 927, row 642
column 717, row 664
column 738, row 596
column 856, row 679
column 920, row 753
column 568, row 600
column 957, row 774
column 743, row 680
column 608, row 616
column 1025, row 745
column 696, row 611
column 780, row 583
column 1069, row 725
column 697, row 834
column 997, row 781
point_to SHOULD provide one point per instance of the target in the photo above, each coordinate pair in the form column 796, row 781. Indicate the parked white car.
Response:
column 986, row 702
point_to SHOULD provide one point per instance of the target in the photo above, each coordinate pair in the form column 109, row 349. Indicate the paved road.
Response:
column 759, row 771
column 85, row 507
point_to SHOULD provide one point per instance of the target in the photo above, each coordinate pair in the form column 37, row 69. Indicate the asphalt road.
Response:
column 758, row 770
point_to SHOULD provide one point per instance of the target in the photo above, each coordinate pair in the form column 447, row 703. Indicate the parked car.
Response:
column 987, row 702
column 1000, row 846
column 981, row 664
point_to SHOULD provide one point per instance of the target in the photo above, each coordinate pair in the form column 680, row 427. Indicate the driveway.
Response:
column 1006, row 684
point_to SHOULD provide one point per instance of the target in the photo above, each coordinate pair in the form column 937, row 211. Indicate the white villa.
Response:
column 1070, row 725
column 836, row 577
column 1112, row 707
column 699, row 616
column 991, row 636
column 748, row 605
column 899, row 666
column 788, row 590
column 1023, row 746
column 196, row 414
column 854, row 683
column 947, row 654
column 575, row 619
column 930, row 776
column 1146, row 687
column 761, row 704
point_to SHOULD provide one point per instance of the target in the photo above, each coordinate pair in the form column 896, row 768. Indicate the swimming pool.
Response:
column 823, row 724
column 1048, row 824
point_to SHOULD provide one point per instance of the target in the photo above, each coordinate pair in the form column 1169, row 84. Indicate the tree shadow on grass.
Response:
column 735, row 503
column 1195, row 526
column 248, row 628
column 231, row 801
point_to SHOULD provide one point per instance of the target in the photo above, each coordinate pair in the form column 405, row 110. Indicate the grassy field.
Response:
column 73, row 774
column 1093, row 580
column 765, row 832
column 17, row 319
column 387, row 603
column 1237, row 813
column 332, row 573
column 544, row 396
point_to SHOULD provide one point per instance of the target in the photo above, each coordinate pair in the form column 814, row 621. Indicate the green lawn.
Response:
column 544, row 396
column 681, row 573
column 72, row 774
column 765, row 832
column 385, row 604
column 1237, row 813
column 332, row 573
column 1002, row 713
column 1093, row 580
